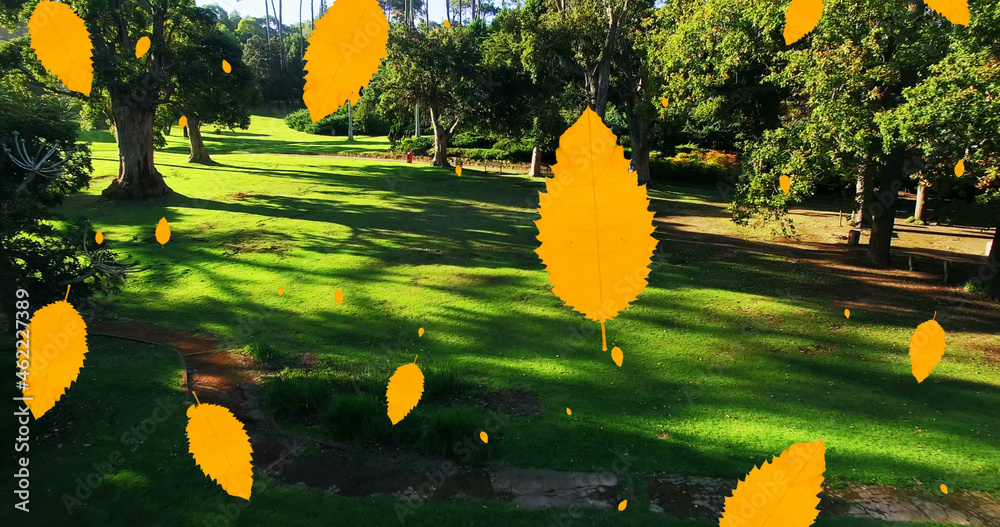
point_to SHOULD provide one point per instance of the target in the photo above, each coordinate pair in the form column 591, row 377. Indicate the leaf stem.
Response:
column 195, row 397
column 67, row 294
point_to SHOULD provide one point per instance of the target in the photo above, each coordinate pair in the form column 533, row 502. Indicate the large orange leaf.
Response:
column 801, row 18
column 782, row 493
column 596, row 229
column 62, row 44
column 344, row 51
column 406, row 386
column 926, row 349
column 956, row 11
column 57, row 338
column 221, row 448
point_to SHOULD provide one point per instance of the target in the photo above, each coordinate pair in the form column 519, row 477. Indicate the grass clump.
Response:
column 262, row 352
column 450, row 426
column 295, row 394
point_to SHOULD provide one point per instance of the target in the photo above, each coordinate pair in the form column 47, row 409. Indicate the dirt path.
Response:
column 228, row 379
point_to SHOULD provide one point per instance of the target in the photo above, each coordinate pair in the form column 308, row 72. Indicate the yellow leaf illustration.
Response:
column 484, row 437
column 956, row 11
column 226, row 67
column 58, row 337
column 163, row 231
column 420, row 332
column 801, row 18
column 782, row 493
column 182, row 122
column 944, row 488
column 786, row 183
column 62, row 44
column 406, row 386
column 664, row 102
column 622, row 505
column 569, row 412
column 338, row 295
column 926, row 348
column 344, row 51
column 847, row 313
column 281, row 290
column 221, row 448
column 616, row 355
column 960, row 168
column 141, row 47
column 596, row 229
column 99, row 237
column 447, row 24
column 458, row 170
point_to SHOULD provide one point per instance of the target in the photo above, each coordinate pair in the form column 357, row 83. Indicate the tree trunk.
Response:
column 447, row 10
column 137, row 175
column 638, row 127
column 442, row 137
column 993, row 285
column 859, row 216
column 312, row 16
column 267, row 22
column 350, row 123
column 536, row 162
column 198, row 152
column 883, row 209
column 918, row 211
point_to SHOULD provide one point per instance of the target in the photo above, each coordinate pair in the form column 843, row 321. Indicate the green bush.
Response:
column 693, row 167
column 975, row 286
column 420, row 146
column 262, row 352
column 295, row 394
column 351, row 417
column 470, row 140
column 334, row 124
column 298, row 120
column 442, row 381
column 448, row 426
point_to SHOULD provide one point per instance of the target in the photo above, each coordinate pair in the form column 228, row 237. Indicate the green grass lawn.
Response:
column 728, row 361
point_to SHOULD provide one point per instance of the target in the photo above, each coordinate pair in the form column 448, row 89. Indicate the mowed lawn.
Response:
column 728, row 361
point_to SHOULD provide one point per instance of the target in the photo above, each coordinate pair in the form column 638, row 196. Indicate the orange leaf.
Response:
column 596, row 229
column 960, row 168
column 484, row 437
column 141, row 46
column 447, row 24
column 221, row 448
column 458, row 170
column 956, row 11
column 99, row 237
column 944, row 488
column 345, row 50
column 616, row 355
column 847, row 313
column 163, row 231
column 926, row 349
column 406, row 386
column 182, row 122
column 338, row 295
column 62, row 44
column 226, row 67
column 569, row 412
column 782, row 493
column 664, row 101
column 58, row 339
column 420, row 332
column 622, row 505
column 801, row 18
column 786, row 184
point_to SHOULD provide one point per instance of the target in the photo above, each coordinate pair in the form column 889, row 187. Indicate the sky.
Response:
column 290, row 8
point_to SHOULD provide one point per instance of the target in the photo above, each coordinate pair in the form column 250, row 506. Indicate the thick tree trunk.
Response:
column 442, row 137
column 993, row 285
column 137, row 175
column 862, row 194
column 638, row 126
column 881, row 237
column 198, row 152
column 536, row 162
column 918, row 211
column 883, row 209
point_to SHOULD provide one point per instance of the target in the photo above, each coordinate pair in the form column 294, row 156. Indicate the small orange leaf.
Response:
column 485, row 438
column 163, row 232
column 458, row 170
column 420, row 332
column 182, row 122
column 281, row 290
column 141, row 47
column 847, row 313
column 447, row 24
column 622, row 505
column 226, row 67
column 59, row 345
column 616, row 355
column 801, row 18
column 664, row 102
column 926, row 348
column 406, row 386
column 956, row 11
column 944, row 488
column 345, row 51
column 780, row 493
column 99, row 237
column 569, row 412
column 786, row 184
column 960, row 168
column 62, row 44
column 221, row 448
column 338, row 295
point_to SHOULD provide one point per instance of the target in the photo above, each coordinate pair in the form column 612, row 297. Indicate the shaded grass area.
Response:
column 734, row 354
column 153, row 480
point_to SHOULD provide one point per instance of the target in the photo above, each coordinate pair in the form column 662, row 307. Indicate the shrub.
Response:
column 298, row 120
column 351, row 417
column 420, row 146
column 262, row 352
column 975, row 286
column 448, row 426
column 295, row 394
column 469, row 140
column 442, row 381
column 334, row 124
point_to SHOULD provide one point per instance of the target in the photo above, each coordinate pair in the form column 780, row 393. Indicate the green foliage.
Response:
column 298, row 120
column 263, row 351
column 420, row 146
column 349, row 416
column 449, row 426
column 471, row 140
column 294, row 394
column 697, row 168
column 975, row 286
